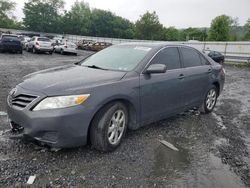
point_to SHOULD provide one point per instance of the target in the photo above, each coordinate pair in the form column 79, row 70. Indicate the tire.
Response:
column 105, row 134
column 210, row 100
column 62, row 52
column 34, row 50
column 21, row 51
column 51, row 52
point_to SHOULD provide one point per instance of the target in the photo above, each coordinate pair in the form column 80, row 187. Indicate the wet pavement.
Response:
column 213, row 150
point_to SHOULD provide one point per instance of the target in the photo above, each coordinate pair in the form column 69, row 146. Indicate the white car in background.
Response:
column 65, row 47
column 40, row 44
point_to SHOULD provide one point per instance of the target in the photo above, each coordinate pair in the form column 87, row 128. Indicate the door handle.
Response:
column 181, row 76
column 209, row 70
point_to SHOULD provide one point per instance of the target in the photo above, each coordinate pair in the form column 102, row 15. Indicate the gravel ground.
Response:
column 213, row 149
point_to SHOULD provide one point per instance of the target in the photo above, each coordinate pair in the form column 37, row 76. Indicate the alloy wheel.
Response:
column 211, row 99
column 116, row 127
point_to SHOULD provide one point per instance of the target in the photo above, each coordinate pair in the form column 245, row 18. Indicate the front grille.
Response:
column 21, row 101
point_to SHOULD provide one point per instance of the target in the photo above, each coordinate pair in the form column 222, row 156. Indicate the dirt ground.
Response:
column 214, row 149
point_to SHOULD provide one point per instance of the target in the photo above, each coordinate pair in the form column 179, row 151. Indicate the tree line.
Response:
column 51, row 17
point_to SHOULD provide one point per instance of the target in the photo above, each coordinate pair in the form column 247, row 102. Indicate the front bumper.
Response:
column 61, row 128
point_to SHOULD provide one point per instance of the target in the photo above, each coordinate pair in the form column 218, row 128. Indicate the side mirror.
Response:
column 156, row 68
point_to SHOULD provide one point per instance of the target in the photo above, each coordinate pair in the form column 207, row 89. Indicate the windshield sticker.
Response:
column 142, row 48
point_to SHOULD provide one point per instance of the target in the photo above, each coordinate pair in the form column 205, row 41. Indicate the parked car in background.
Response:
column 65, row 47
column 40, row 44
column 10, row 43
column 99, row 46
column 55, row 39
column 85, row 44
column 217, row 56
column 122, row 87
column 24, row 40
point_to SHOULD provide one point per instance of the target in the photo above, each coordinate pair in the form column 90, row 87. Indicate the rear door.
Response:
column 197, row 71
column 160, row 93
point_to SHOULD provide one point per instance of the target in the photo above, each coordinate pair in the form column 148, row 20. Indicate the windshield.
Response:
column 43, row 39
column 10, row 38
column 123, row 58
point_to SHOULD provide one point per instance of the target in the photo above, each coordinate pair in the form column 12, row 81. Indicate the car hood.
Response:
column 68, row 79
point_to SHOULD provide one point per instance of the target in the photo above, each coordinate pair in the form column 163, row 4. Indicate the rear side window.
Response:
column 170, row 57
column 43, row 39
column 191, row 58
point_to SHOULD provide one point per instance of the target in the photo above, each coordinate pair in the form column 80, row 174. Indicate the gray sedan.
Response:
column 122, row 87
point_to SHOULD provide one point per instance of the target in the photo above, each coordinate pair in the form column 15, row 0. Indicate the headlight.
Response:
column 60, row 102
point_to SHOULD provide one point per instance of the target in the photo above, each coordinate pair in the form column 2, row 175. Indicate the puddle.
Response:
column 184, row 169
column 220, row 175
column 168, row 161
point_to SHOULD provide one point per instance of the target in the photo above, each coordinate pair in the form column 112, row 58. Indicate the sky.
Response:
column 177, row 13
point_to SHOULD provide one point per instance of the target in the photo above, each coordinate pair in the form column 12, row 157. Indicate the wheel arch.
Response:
column 132, row 113
column 217, row 85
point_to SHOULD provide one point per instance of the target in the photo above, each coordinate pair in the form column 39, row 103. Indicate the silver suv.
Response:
column 40, row 44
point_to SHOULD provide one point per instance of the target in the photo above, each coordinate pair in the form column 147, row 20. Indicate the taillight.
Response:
column 37, row 43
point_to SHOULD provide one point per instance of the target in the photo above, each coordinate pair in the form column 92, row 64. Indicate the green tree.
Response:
column 106, row 24
column 220, row 28
column 77, row 20
column 7, row 20
column 193, row 34
column 171, row 34
column 43, row 15
column 234, row 29
column 148, row 27
column 247, row 29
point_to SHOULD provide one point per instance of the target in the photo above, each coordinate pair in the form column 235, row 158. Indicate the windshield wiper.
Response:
column 95, row 67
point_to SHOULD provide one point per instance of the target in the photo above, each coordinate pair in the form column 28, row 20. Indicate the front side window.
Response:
column 123, row 58
column 169, row 57
column 191, row 58
column 204, row 61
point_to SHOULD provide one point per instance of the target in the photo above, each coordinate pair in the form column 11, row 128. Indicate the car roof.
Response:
column 154, row 45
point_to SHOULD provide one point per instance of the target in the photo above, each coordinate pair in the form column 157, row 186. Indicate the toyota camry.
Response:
column 122, row 87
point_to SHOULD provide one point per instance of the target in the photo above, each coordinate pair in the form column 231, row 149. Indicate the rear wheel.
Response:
column 109, row 127
column 210, row 100
column 62, row 52
column 34, row 50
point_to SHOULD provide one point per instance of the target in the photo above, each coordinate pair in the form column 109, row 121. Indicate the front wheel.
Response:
column 109, row 127
column 210, row 100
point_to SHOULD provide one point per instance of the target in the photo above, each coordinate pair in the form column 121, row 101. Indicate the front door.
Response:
column 161, row 94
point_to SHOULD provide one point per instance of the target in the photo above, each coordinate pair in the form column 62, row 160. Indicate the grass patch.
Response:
column 243, row 64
